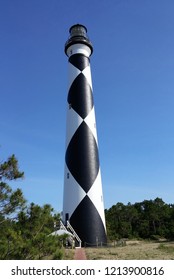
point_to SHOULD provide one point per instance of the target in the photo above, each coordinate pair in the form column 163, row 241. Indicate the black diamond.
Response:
column 80, row 61
column 80, row 96
column 87, row 222
column 82, row 157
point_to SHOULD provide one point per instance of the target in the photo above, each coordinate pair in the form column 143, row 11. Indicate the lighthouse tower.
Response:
column 83, row 198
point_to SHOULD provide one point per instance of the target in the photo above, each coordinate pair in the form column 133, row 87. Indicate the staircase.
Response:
column 69, row 228
column 74, row 233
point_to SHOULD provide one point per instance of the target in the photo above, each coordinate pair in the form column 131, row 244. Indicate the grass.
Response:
column 134, row 250
column 69, row 254
column 62, row 254
column 169, row 249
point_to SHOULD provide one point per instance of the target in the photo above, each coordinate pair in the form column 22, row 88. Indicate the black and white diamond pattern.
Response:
column 83, row 199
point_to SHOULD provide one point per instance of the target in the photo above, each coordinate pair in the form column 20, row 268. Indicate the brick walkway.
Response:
column 80, row 254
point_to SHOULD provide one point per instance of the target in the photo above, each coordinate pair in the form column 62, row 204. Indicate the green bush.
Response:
column 58, row 255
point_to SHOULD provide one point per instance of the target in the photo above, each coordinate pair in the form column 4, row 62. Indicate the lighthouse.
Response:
column 83, row 206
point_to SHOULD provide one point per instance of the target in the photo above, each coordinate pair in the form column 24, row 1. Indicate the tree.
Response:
column 118, row 220
column 24, row 229
column 146, row 219
column 10, row 201
column 9, row 169
column 31, row 237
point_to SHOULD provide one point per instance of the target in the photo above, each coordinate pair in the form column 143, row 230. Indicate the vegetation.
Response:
column 150, row 219
column 24, row 229
column 134, row 250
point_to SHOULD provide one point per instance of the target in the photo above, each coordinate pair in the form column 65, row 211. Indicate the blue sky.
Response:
column 133, row 81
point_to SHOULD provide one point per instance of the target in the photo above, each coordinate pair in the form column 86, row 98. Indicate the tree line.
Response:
column 149, row 219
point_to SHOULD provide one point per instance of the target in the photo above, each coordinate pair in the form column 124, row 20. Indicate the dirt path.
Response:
column 80, row 254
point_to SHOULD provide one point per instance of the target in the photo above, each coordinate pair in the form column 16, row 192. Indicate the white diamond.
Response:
column 87, row 73
column 73, row 193
column 96, row 196
column 73, row 122
column 90, row 121
column 73, row 72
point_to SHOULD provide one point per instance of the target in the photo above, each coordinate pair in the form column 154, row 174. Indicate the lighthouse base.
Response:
column 88, row 224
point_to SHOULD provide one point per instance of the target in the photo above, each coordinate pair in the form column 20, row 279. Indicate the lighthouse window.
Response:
column 67, row 175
